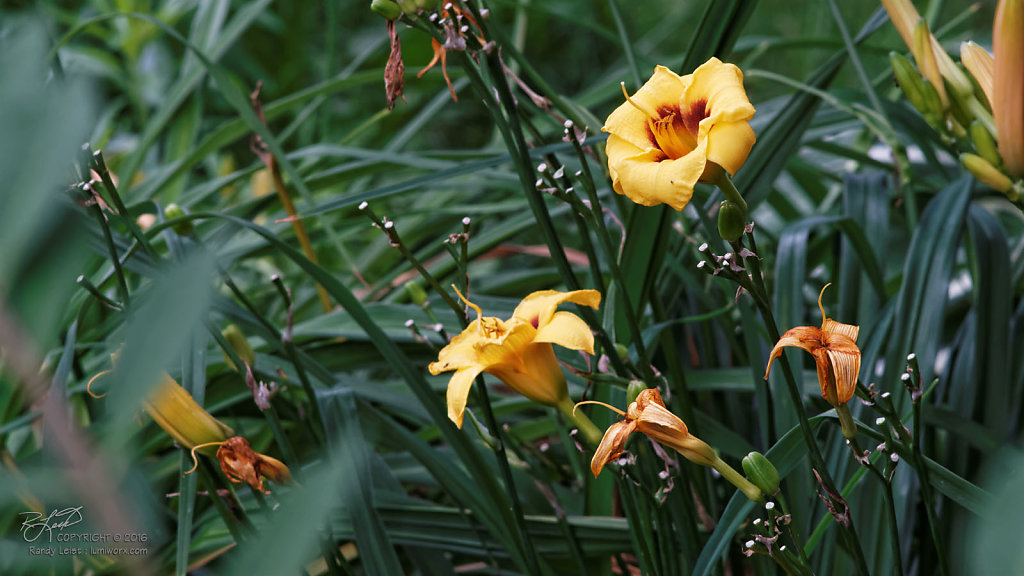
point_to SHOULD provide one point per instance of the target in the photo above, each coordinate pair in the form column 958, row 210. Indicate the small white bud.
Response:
column 410, row 323
column 464, row 29
column 757, row 521
column 894, row 457
column 911, row 357
column 750, row 543
column 560, row 172
column 466, row 221
column 905, row 377
column 389, row 225
column 542, row 167
column 364, row 205
column 703, row 247
column 769, row 506
column 879, row 421
column 886, row 395
column 438, row 327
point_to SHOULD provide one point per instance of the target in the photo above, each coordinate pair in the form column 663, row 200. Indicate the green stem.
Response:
column 733, row 195
column 926, row 487
column 590, row 432
column 846, row 421
column 753, row 493
column 529, row 553
column 760, row 296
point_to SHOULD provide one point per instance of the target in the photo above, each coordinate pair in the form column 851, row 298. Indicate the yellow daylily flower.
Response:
column 677, row 131
column 517, row 351
column 1008, row 83
column 648, row 414
column 835, row 351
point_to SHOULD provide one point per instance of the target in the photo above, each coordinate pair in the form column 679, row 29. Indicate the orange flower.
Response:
column 648, row 414
column 835, row 351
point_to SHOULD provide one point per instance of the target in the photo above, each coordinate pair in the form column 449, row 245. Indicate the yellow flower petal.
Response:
column 612, row 445
column 504, row 347
column 649, row 178
column 629, row 120
column 568, row 331
column 459, row 353
column 729, row 145
column 539, row 307
column 720, row 87
column 458, row 392
column 538, row 376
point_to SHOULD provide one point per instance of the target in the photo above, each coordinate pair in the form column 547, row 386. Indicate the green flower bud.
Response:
column 386, row 8
column 761, row 472
column 732, row 219
column 633, row 390
column 985, row 144
column 173, row 211
column 986, row 173
column 416, row 293
column 909, row 81
column 622, row 351
column 239, row 344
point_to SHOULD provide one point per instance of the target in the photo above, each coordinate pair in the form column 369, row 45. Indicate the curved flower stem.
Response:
column 733, row 195
column 761, row 298
column 587, row 429
column 753, row 493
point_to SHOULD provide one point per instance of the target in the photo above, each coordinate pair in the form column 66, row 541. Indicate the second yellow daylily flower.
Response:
column 677, row 131
column 518, row 351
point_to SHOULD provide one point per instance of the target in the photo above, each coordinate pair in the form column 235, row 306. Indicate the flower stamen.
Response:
column 479, row 312
column 608, row 406
column 650, row 113
column 195, row 461
column 88, row 385
column 820, row 307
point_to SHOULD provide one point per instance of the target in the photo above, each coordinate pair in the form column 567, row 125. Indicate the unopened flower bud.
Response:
column 909, row 80
column 416, row 293
column 732, row 219
column 761, row 472
column 173, row 211
column 986, row 173
column 239, row 344
column 622, row 352
column 386, row 8
column 985, row 144
column 979, row 63
column 633, row 390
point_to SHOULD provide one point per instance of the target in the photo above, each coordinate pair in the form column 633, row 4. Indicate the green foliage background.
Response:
column 847, row 185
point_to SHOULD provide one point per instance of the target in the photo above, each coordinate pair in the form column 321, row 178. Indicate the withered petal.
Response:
column 612, row 444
